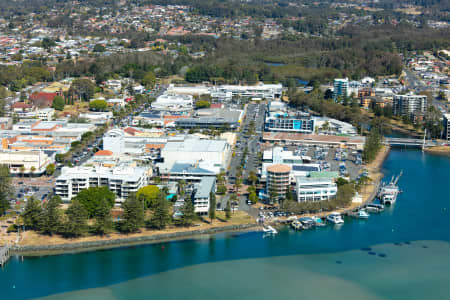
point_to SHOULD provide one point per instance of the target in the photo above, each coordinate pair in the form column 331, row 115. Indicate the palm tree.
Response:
column 22, row 170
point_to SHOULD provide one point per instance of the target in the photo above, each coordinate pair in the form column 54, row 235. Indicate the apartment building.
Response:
column 447, row 128
column 202, row 193
column 122, row 180
column 340, row 88
column 409, row 105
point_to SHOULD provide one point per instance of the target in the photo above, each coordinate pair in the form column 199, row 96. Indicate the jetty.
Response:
column 5, row 254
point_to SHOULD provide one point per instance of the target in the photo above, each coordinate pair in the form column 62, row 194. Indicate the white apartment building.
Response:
column 340, row 88
column 25, row 162
column 202, row 192
column 447, row 128
column 315, row 189
column 122, row 180
column 409, row 104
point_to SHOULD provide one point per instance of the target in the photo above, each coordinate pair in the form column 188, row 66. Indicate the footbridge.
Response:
column 408, row 142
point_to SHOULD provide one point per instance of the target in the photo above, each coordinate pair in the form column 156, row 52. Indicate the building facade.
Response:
column 447, row 128
column 121, row 180
column 409, row 105
column 300, row 122
column 278, row 180
column 25, row 162
column 340, row 88
column 202, row 194
column 315, row 189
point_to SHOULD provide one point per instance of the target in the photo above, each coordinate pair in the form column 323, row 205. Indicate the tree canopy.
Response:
column 92, row 197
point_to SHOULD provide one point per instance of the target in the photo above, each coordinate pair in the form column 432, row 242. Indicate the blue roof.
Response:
column 304, row 168
column 189, row 168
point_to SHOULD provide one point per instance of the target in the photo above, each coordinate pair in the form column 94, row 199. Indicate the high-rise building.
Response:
column 340, row 88
column 447, row 127
column 409, row 105
column 278, row 180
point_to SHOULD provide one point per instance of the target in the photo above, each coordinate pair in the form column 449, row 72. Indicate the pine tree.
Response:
column 76, row 224
column 32, row 214
column 189, row 215
column 103, row 221
column 228, row 210
column 133, row 215
column 161, row 215
column 5, row 189
column 212, row 206
column 51, row 216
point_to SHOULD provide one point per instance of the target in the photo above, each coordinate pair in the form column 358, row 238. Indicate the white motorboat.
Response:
column 335, row 218
column 270, row 229
column 362, row 214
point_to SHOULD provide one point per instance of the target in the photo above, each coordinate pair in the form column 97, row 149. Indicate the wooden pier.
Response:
column 5, row 253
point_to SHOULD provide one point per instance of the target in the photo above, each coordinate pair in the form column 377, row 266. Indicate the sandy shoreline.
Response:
column 438, row 150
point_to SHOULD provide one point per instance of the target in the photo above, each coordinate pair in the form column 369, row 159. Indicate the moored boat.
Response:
column 335, row 218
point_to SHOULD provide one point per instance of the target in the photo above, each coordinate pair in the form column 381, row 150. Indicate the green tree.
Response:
column 50, row 169
column 149, row 194
column 228, row 210
column 84, row 88
column 92, row 197
column 51, row 216
column 5, row 189
column 252, row 177
column 77, row 216
column 47, row 43
column 189, row 215
column 58, row 103
column 202, row 104
column 149, row 80
column 212, row 206
column 103, row 220
column 32, row 214
column 161, row 216
column 133, row 215
column 99, row 48
column 98, row 105
column 221, row 189
column 253, row 197
column 341, row 181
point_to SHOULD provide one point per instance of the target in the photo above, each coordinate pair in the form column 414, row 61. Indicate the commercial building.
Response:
column 122, row 180
column 45, row 114
column 25, row 162
column 212, row 118
column 340, row 88
column 285, row 138
column 215, row 152
column 300, row 165
column 409, row 105
column 260, row 91
column 188, row 171
column 298, row 122
column 315, row 189
column 447, row 128
column 201, row 196
column 278, row 180
column 173, row 103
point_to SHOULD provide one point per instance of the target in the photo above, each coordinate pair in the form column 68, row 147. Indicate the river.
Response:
column 402, row 253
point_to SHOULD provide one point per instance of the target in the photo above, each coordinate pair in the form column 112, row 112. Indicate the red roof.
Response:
column 21, row 105
column 216, row 105
column 42, row 99
column 103, row 153
column 131, row 131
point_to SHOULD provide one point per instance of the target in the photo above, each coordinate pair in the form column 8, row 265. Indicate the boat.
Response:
column 388, row 192
column 270, row 229
column 362, row 214
column 335, row 218
column 296, row 225
column 306, row 222
column 374, row 207
column 318, row 221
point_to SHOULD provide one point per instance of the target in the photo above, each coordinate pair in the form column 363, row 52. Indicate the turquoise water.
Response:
column 409, row 256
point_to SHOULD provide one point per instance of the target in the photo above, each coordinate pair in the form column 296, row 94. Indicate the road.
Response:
column 251, row 161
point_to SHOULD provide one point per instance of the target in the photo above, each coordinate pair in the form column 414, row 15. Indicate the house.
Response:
column 42, row 99
column 19, row 107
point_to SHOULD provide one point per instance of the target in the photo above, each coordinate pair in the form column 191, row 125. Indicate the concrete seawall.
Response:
column 121, row 242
